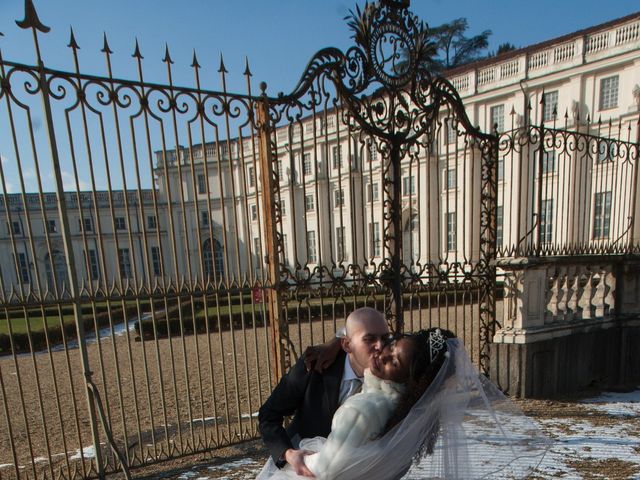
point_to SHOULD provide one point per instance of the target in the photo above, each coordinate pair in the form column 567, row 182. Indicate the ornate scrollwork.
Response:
column 382, row 80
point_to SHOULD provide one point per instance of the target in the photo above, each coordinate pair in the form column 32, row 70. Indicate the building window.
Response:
column 202, row 184
column 285, row 250
column 306, row 164
column 51, row 226
column 283, row 208
column 312, row 256
column 609, row 92
column 251, row 173
column 497, row 118
column 340, row 243
column 94, row 269
column 85, row 224
column 546, row 221
column 408, row 185
column 550, row 105
column 549, row 161
column 213, row 259
column 155, row 261
column 23, row 268
column 373, row 151
column 124, row 262
column 152, row 222
column 499, row 226
column 601, row 215
column 204, row 219
column 254, row 212
column 280, row 171
column 451, row 231
column 16, row 227
column 373, row 192
column 450, row 127
column 256, row 250
column 336, row 155
column 338, row 197
column 309, row 205
column 121, row 224
column 375, row 243
column 500, row 169
column 451, row 177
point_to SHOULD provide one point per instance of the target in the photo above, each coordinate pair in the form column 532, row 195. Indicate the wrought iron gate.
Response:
column 168, row 249
column 384, row 192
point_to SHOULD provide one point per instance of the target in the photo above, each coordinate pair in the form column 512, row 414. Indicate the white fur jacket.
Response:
column 360, row 419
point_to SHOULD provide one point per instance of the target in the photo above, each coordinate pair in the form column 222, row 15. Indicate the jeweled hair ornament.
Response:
column 436, row 343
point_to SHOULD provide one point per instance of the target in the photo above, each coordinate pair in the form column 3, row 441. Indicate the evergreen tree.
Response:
column 455, row 48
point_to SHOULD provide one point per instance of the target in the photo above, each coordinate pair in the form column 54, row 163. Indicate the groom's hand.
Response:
column 320, row 357
column 295, row 458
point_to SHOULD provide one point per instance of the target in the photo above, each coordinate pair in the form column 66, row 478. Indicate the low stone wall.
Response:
column 569, row 323
column 597, row 359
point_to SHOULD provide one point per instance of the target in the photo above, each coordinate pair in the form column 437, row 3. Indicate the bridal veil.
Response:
column 462, row 427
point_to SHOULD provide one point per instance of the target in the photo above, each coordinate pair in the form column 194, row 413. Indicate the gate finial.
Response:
column 31, row 19
column 396, row 3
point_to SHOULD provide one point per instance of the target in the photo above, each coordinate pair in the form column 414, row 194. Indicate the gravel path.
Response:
column 162, row 398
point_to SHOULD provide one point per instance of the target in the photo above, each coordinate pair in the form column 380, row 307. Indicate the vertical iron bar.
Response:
column 69, row 254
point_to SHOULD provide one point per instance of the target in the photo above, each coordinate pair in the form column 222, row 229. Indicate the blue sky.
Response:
column 278, row 36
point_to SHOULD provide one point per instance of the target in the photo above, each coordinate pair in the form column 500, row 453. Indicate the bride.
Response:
column 395, row 380
column 422, row 396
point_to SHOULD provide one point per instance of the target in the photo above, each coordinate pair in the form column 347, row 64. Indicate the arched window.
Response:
column 213, row 258
column 411, row 224
column 56, row 269
column 411, row 238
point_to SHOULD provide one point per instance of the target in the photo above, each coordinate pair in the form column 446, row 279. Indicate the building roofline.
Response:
column 539, row 46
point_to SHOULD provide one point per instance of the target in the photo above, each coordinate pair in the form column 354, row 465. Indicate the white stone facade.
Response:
column 586, row 76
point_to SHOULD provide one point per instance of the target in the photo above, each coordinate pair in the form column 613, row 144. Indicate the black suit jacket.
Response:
column 311, row 396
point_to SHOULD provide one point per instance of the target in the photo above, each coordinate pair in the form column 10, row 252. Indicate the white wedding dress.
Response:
column 462, row 427
column 359, row 420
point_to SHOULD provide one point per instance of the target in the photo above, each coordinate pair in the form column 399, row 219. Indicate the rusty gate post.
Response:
column 395, row 236
column 278, row 327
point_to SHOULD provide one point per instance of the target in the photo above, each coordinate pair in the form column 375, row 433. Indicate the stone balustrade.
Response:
column 534, row 62
column 569, row 322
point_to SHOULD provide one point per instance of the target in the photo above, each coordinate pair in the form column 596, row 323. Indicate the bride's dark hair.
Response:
column 422, row 371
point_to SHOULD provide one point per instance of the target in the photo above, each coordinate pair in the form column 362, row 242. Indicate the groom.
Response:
column 312, row 398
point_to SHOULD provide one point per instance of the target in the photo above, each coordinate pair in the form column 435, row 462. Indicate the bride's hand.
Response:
column 295, row 458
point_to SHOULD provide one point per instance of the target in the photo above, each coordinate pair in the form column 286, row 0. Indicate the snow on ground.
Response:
column 595, row 438
column 607, row 433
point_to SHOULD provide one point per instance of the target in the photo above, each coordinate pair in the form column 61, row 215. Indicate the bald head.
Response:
column 366, row 330
column 367, row 318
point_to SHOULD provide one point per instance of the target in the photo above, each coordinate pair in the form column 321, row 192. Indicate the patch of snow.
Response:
column 581, row 439
column 616, row 404
column 187, row 475
column 6, row 465
column 243, row 462
column 87, row 452
column 207, row 420
column 247, row 415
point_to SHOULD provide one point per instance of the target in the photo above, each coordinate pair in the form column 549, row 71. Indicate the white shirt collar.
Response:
column 349, row 374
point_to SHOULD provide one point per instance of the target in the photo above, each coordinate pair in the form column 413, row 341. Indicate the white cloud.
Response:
column 10, row 187
column 69, row 182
